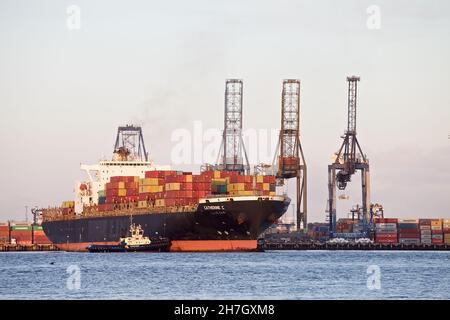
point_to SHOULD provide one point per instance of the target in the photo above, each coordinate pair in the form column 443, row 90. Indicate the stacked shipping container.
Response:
column 344, row 225
column 4, row 232
column 68, row 207
column 39, row 236
column 21, row 232
column 408, row 231
column 176, row 188
column 425, row 231
column 446, row 231
column 319, row 231
column 436, row 231
column 119, row 191
column 386, row 230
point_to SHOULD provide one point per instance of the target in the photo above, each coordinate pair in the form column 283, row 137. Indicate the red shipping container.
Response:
column 409, row 230
column 248, row 187
column 409, row 235
column 41, row 240
column 386, row 241
column 436, row 231
column 22, row 237
column 172, row 179
column 132, row 185
column 146, row 196
column 386, row 235
column 208, row 175
column 40, row 237
column 111, row 185
column 115, row 179
column 437, row 241
column 154, row 174
column 123, row 179
column 186, row 186
column 269, row 179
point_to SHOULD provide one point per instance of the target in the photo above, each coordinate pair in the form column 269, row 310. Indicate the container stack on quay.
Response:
column 386, row 230
column 408, row 231
column 436, row 231
column 319, row 231
column 39, row 236
column 4, row 232
column 358, row 227
column 344, row 225
column 446, row 230
column 21, row 232
column 425, row 231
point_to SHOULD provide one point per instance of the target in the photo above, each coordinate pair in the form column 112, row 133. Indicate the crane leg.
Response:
column 332, row 199
column 365, row 186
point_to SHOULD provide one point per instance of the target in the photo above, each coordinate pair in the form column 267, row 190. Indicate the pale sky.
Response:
column 163, row 64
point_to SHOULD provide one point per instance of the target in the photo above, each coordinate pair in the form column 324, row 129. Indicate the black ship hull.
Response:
column 231, row 224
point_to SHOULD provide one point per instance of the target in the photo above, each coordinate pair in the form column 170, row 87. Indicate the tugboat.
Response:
column 135, row 243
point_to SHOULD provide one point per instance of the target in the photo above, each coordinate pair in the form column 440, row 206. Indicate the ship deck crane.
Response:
column 130, row 144
column 349, row 159
column 289, row 160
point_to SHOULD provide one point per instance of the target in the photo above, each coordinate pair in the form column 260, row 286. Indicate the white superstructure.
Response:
column 86, row 192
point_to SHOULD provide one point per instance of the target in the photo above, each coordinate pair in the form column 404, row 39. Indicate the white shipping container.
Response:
column 425, row 232
column 409, row 221
column 409, row 241
column 386, row 225
column 385, row 230
column 425, row 227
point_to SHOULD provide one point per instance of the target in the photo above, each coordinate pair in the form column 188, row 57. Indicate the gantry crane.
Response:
column 130, row 144
column 349, row 159
column 232, row 147
column 289, row 159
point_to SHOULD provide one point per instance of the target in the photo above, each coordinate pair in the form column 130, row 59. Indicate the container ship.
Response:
column 215, row 210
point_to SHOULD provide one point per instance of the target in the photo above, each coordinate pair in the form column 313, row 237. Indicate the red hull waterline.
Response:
column 180, row 245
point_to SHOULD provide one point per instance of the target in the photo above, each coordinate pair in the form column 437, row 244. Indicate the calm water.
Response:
column 268, row 275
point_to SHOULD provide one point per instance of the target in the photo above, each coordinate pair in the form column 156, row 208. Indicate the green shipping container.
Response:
column 20, row 228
